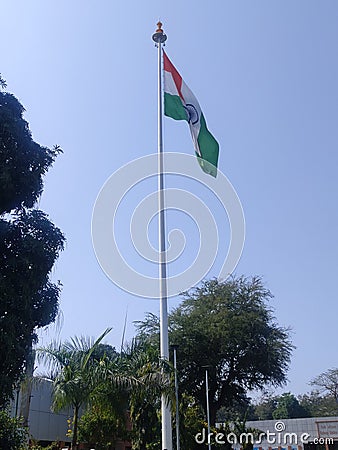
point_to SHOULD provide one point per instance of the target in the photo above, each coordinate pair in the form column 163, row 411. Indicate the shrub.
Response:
column 13, row 435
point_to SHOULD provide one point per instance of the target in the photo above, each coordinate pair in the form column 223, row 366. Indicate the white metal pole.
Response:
column 159, row 37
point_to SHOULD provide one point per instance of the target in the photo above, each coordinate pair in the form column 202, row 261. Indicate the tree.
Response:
column 23, row 161
column 229, row 328
column 288, row 407
column 265, row 407
column 94, row 378
column 317, row 405
column 29, row 244
column 192, row 422
column 131, row 389
column 327, row 382
column 140, row 360
column 238, row 410
column 101, row 426
column 74, row 373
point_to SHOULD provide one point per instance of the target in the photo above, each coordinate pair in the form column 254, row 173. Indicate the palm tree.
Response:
column 131, row 386
column 141, row 359
column 84, row 372
column 75, row 374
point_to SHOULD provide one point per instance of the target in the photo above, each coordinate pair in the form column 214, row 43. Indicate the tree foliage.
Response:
column 101, row 427
column 288, row 407
column 23, row 161
column 229, row 328
column 327, row 382
column 192, row 421
column 13, row 436
column 265, row 407
column 29, row 243
column 239, row 410
column 144, row 400
column 74, row 373
column 3, row 83
column 93, row 377
column 317, row 405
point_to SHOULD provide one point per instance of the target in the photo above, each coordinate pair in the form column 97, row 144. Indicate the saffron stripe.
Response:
column 169, row 67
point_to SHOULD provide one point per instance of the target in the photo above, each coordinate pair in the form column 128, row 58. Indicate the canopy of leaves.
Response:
column 29, row 244
column 228, row 328
column 13, row 436
column 105, row 384
column 237, row 411
column 101, row 427
column 327, row 382
column 144, row 400
column 74, row 372
column 265, row 407
column 23, row 162
column 317, row 405
column 192, row 421
column 288, row 407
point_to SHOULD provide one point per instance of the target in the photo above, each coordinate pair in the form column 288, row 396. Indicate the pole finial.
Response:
column 159, row 25
column 159, row 36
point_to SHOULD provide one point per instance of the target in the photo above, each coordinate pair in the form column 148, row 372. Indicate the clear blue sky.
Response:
column 265, row 73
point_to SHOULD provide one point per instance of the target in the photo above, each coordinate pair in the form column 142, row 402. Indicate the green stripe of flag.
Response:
column 209, row 149
column 173, row 107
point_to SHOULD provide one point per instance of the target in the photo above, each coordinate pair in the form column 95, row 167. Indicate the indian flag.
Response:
column 181, row 104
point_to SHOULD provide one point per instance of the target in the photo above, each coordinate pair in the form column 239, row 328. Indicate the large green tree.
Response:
column 229, row 329
column 29, row 244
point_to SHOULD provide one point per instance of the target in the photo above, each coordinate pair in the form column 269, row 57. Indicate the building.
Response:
column 44, row 425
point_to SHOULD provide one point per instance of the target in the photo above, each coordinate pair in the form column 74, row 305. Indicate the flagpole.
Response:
column 159, row 37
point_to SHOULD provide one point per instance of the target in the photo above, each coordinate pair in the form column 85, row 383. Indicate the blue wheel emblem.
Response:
column 192, row 113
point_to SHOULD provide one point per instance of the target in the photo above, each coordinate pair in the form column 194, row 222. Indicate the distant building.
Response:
column 45, row 425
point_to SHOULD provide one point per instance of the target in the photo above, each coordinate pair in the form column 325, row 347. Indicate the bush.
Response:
column 13, row 435
column 34, row 445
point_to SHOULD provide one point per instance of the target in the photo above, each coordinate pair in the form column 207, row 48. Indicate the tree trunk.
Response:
column 75, row 424
column 26, row 386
